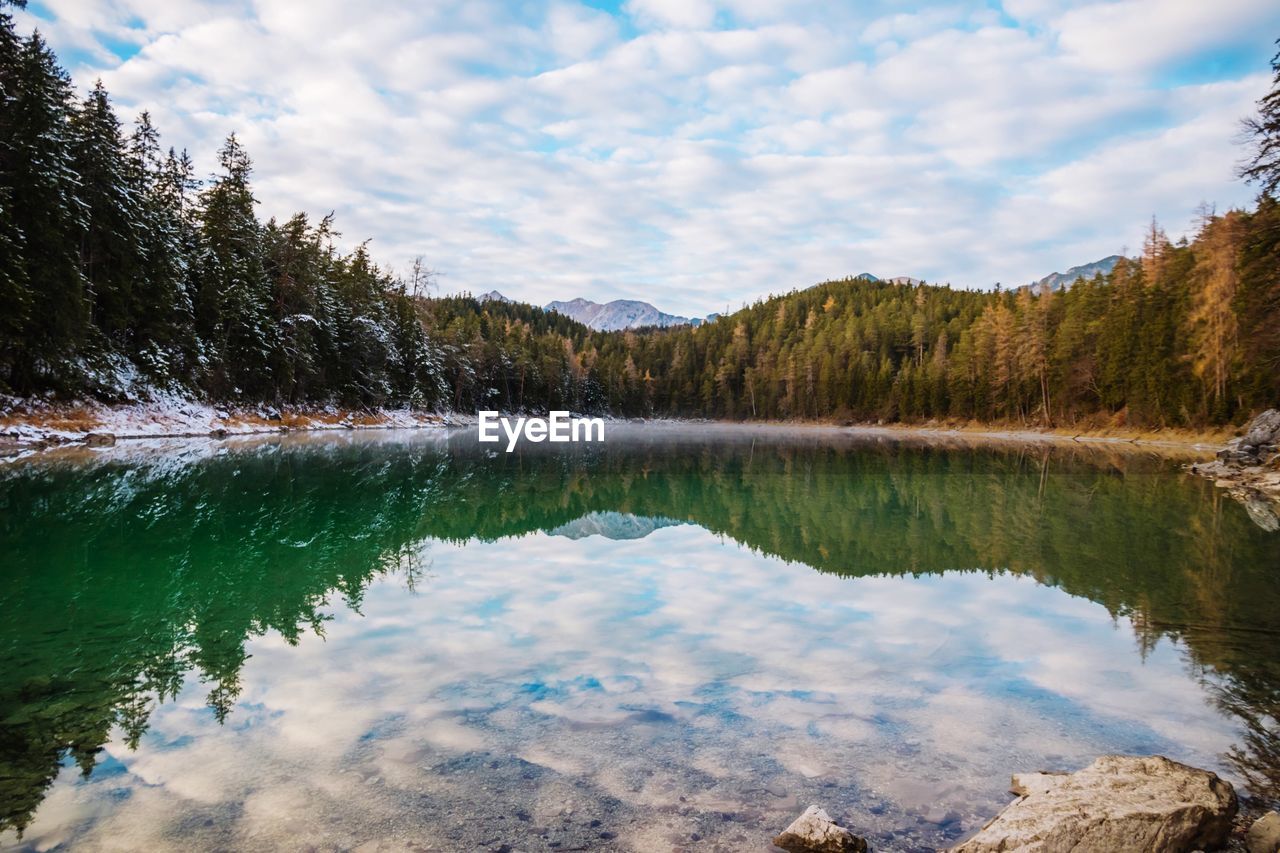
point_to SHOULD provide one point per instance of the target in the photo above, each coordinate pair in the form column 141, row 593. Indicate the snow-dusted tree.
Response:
column 15, row 291
column 232, row 302
column 41, row 191
column 162, row 340
column 111, row 242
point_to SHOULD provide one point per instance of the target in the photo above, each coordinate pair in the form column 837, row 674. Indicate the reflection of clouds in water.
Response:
column 674, row 666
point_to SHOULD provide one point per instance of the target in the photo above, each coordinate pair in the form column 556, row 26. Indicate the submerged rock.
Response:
column 1264, row 835
column 815, row 832
column 1117, row 803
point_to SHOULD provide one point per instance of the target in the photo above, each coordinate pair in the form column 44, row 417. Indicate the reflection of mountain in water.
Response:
column 613, row 525
column 124, row 575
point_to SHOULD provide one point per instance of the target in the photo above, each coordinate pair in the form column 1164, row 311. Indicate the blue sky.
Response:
column 702, row 153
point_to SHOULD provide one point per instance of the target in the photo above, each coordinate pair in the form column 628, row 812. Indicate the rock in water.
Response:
column 1264, row 835
column 815, row 832
column 1117, row 803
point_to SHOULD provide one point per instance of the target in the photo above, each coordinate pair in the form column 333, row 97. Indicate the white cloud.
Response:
column 330, row 739
column 1138, row 34
column 693, row 14
column 720, row 152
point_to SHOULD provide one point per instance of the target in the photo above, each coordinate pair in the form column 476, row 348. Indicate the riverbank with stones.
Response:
column 1118, row 803
column 1248, row 468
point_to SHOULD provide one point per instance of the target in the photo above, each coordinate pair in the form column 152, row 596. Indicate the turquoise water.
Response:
column 679, row 640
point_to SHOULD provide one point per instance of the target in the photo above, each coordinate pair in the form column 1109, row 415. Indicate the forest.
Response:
column 122, row 274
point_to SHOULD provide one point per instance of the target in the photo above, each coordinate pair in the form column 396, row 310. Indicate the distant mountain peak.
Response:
column 618, row 314
column 613, row 525
column 1061, row 281
column 493, row 296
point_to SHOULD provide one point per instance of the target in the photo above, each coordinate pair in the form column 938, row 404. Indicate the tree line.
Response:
column 118, row 266
column 121, row 274
column 1187, row 334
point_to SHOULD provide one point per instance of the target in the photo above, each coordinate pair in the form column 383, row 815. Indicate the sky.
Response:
column 701, row 154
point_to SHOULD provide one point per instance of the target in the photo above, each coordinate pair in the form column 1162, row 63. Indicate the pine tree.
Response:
column 1214, row 327
column 16, row 297
column 1155, row 252
column 42, row 188
column 232, row 301
column 111, row 250
column 1263, row 131
column 1258, row 306
column 162, row 339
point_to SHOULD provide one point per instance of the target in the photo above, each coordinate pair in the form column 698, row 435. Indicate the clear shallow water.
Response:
column 677, row 641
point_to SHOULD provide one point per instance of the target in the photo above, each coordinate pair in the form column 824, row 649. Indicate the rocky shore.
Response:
column 1117, row 803
column 1248, row 468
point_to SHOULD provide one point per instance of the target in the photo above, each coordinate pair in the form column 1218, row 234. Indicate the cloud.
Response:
column 697, row 154
column 687, row 675
column 1138, row 34
column 693, row 14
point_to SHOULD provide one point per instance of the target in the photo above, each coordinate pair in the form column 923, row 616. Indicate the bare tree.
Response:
column 422, row 279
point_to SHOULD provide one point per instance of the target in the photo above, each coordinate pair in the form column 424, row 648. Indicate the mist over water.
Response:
column 677, row 639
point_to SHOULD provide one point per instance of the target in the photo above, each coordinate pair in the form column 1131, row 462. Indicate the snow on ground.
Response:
column 30, row 422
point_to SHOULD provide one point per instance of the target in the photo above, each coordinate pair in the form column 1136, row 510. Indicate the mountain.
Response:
column 613, row 525
column 618, row 314
column 1060, row 280
column 493, row 296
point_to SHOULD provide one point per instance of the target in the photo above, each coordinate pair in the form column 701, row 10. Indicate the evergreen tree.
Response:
column 232, row 299
column 111, row 250
column 42, row 189
column 15, row 289
column 162, row 340
column 1263, row 130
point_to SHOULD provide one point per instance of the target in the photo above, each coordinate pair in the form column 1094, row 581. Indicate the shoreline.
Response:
column 34, row 426
column 30, row 428
column 27, row 425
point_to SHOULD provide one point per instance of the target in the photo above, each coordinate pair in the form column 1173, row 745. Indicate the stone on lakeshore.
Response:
column 1027, row 783
column 815, row 832
column 1264, row 429
column 99, row 439
column 1264, row 835
column 1237, row 457
column 1117, row 803
column 1263, row 512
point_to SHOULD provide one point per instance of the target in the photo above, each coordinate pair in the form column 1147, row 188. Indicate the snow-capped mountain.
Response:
column 618, row 314
column 610, row 316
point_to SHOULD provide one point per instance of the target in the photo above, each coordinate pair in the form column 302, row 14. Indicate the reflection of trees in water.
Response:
column 1257, row 704
column 146, row 572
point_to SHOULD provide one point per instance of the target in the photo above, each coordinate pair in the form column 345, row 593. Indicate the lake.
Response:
column 674, row 640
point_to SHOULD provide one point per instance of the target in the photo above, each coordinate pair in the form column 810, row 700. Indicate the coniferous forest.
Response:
column 121, row 270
